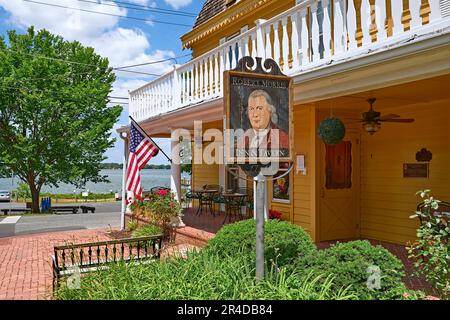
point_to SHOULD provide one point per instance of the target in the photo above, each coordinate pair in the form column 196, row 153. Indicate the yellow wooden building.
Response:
column 339, row 53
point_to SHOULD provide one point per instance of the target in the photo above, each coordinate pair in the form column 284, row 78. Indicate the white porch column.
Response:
column 124, row 137
column 175, row 166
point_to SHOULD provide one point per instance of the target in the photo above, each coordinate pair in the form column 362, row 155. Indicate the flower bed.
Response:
column 160, row 209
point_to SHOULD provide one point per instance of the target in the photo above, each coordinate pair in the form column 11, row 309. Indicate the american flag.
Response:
column 141, row 151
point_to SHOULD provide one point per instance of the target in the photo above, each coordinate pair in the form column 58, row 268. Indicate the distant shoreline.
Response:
column 149, row 178
column 119, row 166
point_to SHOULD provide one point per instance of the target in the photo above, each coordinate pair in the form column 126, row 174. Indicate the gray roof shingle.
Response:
column 210, row 9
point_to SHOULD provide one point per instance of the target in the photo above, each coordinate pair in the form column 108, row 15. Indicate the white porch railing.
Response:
column 304, row 37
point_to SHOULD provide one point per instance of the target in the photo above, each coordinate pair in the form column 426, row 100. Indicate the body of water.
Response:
column 149, row 178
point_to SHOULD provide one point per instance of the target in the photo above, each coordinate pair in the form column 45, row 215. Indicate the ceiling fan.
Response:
column 372, row 119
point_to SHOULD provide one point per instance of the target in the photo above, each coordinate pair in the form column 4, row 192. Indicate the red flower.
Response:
column 273, row 214
column 162, row 193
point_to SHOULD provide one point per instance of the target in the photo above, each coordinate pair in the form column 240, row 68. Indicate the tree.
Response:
column 55, row 122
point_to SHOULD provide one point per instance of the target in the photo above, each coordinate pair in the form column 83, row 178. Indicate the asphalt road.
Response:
column 107, row 214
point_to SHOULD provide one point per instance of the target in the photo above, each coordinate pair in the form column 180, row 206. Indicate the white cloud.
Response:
column 177, row 4
column 142, row 2
column 121, row 88
column 71, row 24
column 122, row 46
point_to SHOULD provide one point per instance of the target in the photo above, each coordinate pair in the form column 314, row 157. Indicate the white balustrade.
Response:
column 414, row 10
column 366, row 22
column 397, row 13
column 285, row 45
column 326, row 29
column 380, row 14
column 340, row 39
column 315, row 31
column 304, row 34
column 268, row 43
column 311, row 33
column 276, row 43
column 294, row 38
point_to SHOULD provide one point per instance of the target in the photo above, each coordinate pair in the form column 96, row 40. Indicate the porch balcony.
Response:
column 311, row 37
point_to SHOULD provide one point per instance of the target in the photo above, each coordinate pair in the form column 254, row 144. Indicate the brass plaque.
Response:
column 415, row 170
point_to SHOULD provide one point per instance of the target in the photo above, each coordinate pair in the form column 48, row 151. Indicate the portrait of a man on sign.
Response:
column 258, row 118
column 263, row 118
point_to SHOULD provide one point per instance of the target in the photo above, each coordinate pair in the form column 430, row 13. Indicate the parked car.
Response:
column 5, row 195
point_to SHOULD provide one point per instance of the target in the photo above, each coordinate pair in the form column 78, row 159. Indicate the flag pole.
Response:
column 143, row 131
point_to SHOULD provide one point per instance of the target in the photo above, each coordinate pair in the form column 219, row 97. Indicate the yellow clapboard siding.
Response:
column 388, row 199
column 390, row 228
column 302, row 219
column 302, row 202
column 386, row 205
column 401, row 221
column 383, row 236
column 302, row 211
column 303, row 187
column 303, row 199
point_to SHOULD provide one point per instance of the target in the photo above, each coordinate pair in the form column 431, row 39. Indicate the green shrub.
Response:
column 23, row 191
column 359, row 264
column 284, row 242
column 431, row 252
column 146, row 231
column 200, row 276
column 132, row 225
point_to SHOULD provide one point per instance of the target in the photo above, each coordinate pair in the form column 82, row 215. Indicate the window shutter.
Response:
column 445, row 8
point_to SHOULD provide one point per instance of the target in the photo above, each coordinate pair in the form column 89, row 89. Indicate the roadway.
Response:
column 107, row 214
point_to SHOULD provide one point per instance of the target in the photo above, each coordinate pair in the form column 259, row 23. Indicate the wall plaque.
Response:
column 415, row 170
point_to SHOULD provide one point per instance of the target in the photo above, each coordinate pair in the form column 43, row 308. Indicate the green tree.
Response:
column 55, row 122
column 23, row 192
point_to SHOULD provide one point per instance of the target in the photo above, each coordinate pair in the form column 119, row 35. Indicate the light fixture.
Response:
column 371, row 126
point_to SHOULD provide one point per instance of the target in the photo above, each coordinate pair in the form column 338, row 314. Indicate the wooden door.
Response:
column 339, row 190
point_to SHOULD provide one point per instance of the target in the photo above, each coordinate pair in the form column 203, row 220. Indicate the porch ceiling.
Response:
column 417, row 92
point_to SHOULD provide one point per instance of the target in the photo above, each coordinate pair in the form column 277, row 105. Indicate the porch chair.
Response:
column 248, row 202
column 218, row 199
column 233, row 206
column 208, row 199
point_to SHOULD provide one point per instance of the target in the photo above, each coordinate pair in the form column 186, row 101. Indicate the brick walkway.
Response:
column 25, row 262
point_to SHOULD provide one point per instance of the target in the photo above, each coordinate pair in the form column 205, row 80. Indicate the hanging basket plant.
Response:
column 331, row 131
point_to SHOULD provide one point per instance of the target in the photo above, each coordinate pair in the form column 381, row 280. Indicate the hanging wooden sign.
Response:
column 259, row 127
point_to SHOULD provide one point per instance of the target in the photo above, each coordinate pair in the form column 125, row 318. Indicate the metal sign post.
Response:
column 260, row 200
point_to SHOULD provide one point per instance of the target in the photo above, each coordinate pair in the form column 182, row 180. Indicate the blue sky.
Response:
column 124, row 41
